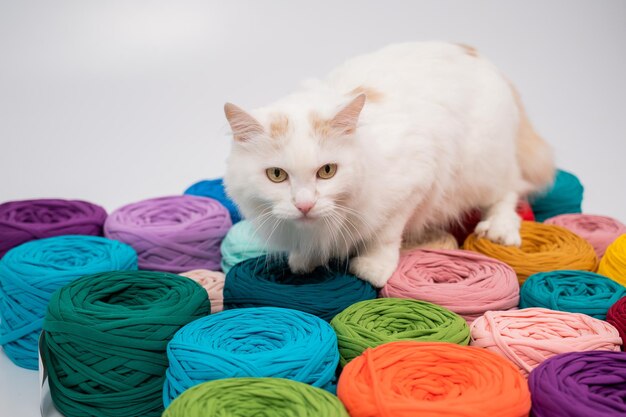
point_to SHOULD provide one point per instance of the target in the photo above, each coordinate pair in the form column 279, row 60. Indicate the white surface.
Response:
column 115, row 101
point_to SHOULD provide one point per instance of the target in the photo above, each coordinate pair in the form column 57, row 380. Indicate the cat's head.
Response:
column 294, row 165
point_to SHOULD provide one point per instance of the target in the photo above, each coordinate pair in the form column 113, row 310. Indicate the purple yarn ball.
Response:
column 580, row 384
column 26, row 220
column 172, row 234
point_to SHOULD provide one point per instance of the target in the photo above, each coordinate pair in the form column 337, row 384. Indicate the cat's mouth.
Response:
column 304, row 219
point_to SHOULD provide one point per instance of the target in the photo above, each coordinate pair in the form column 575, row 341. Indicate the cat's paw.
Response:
column 374, row 269
column 501, row 230
column 300, row 264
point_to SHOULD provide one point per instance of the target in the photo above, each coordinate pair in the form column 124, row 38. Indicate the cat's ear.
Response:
column 346, row 120
column 244, row 126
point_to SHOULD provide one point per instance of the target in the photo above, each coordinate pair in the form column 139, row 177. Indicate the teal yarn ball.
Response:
column 572, row 291
column 252, row 342
column 241, row 243
column 565, row 196
column 31, row 272
column 215, row 189
column 267, row 281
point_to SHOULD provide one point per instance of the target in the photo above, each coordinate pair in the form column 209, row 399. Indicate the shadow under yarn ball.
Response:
column 271, row 397
column 21, row 221
column 172, row 234
column 105, row 338
column 267, row 281
column 32, row 271
column 252, row 342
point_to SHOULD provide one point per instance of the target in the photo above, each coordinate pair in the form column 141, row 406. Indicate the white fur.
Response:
column 441, row 140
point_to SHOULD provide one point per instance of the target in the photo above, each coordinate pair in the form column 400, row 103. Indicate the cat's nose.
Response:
column 305, row 206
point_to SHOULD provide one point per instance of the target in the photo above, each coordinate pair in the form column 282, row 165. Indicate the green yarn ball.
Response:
column 370, row 323
column 241, row 243
column 105, row 338
column 247, row 397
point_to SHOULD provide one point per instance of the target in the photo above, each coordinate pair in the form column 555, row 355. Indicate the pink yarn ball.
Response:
column 529, row 336
column 600, row 231
column 465, row 282
column 213, row 283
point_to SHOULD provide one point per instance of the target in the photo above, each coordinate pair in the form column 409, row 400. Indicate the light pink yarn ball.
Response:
column 465, row 282
column 213, row 283
column 600, row 231
column 529, row 336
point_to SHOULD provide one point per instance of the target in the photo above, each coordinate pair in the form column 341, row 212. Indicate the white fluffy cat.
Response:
column 392, row 145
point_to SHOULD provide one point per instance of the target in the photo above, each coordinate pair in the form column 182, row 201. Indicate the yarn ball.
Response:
column 545, row 247
column 22, row 221
column 565, row 196
column 371, row 323
column 573, row 291
column 252, row 342
column 407, row 379
column 105, row 338
column 580, row 384
column 246, row 397
column 267, row 281
column 213, row 283
column 215, row 189
column 172, row 234
column 529, row 336
column 241, row 243
column 465, row 282
column 613, row 263
column 617, row 317
column 32, row 271
column 445, row 241
column 600, row 231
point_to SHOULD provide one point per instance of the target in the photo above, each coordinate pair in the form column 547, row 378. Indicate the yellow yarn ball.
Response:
column 613, row 263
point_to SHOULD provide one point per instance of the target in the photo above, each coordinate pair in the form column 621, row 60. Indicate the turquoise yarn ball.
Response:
column 565, row 196
column 572, row 291
column 31, row 272
column 241, row 243
column 252, row 342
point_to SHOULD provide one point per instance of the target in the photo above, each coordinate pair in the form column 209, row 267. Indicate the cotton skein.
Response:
column 373, row 322
column 213, row 283
column 565, row 196
column 267, row 281
column 544, row 248
column 241, row 243
column 573, row 291
column 617, row 317
column 252, row 342
column 31, row 272
column 172, row 234
column 215, row 189
column 580, row 384
column 529, row 336
column 407, row 379
column 465, row 282
column 105, row 337
column 613, row 263
column 21, row 221
column 600, row 231
column 246, row 397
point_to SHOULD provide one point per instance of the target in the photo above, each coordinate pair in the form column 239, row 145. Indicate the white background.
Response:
column 116, row 101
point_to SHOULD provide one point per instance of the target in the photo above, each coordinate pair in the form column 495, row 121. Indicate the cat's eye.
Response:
column 276, row 174
column 327, row 171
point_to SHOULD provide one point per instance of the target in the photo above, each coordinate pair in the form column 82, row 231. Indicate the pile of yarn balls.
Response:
column 173, row 306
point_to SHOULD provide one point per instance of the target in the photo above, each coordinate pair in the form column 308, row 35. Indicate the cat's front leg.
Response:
column 299, row 263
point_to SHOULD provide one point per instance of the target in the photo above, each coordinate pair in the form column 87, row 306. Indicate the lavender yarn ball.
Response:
column 172, row 234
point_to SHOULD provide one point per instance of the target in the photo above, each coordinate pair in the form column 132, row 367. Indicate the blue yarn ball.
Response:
column 252, row 342
column 572, row 291
column 215, row 189
column 31, row 272
column 565, row 196
column 268, row 281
